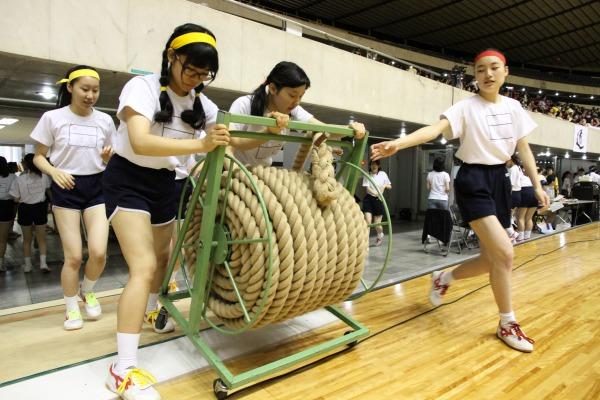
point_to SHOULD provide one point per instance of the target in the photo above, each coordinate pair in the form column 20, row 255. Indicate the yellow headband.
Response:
column 78, row 74
column 193, row 37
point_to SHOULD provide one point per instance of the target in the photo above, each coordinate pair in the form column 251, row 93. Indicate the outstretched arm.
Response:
column 420, row 136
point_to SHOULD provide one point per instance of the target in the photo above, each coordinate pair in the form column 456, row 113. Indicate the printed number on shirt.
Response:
column 500, row 126
column 83, row 135
column 177, row 129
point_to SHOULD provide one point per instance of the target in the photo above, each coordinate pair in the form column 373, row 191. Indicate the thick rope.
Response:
column 319, row 243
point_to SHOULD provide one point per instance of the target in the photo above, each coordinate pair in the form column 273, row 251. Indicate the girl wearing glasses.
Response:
column 163, row 121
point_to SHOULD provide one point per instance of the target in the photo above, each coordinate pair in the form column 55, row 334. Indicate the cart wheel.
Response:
column 351, row 344
column 220, row 389
column 161, row 320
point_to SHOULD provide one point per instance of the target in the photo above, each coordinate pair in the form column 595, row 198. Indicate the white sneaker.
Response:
column 514, row 337
column 134, row 384
column 152, row 318
column 27, row 268
column 437, row 289
column 73, row 320
column 92, row 306
column 45, row 268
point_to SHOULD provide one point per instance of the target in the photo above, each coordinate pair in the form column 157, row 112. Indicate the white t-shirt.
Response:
column 381, row 179
column 30, row 188
column 438, row 182
column 141, row 94
column 524, row 180
column 488, row 132
column 75, row 143
column 515, row 178
column 5, row 184
column 263, row 154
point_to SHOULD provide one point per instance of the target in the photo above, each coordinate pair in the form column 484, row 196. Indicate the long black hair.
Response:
column 200, row 55
column 29, row 165
column 64, row 96
column 284, row 74
column 3, row 167
column 438, row 164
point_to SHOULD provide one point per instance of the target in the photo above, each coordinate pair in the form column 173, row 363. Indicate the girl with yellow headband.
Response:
column 165, row 119
column 77, row 137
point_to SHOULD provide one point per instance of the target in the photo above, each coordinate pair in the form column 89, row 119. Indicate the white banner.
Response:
column 580, row 139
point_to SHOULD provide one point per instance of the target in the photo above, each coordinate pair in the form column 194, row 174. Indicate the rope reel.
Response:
column 312, row 254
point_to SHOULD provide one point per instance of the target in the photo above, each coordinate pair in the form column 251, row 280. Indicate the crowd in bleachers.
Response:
column 457, row 77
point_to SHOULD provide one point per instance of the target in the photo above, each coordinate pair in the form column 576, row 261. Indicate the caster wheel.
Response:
column 220, row 389
column 161, row 320
column 351, row 344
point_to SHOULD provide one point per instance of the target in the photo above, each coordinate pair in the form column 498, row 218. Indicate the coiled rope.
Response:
column 319, row 241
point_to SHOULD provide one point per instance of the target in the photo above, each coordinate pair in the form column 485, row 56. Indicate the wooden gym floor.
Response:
column 413, row 352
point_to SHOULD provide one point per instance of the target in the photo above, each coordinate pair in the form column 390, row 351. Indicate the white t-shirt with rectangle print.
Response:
column 263, row 154
column 488, row 132
column 75, row 143
column 141, row 94
column 30, row 188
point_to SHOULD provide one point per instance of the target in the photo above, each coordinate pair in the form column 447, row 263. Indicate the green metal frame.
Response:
column 213, row 243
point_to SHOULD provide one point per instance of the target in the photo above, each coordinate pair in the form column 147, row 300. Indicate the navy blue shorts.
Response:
column 87, row 193
column 528, row 199
column 128, row 186
column 515, row 199
column 179, row 187
column 372, row 205
column 483, row 190
column 33, row 214
column 8, row 210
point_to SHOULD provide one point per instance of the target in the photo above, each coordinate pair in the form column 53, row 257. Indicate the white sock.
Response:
column 446, row 278
column 527, row 235
column 42, row 259
column 520, row 236
column 127, row 348
column 87, row 285
column 510, row 231
column 506, row 318
column 152, row 302
column 28, row 261
column 72, row 303
column 380, row 235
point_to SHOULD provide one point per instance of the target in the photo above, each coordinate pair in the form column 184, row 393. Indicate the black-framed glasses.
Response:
column 193, row 74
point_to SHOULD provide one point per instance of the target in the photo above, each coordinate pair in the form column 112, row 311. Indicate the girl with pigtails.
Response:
column 164, row 119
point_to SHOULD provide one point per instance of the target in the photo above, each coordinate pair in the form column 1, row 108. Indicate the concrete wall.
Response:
column 133, row 33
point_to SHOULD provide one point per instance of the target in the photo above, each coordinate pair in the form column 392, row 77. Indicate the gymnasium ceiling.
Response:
column 551, row 33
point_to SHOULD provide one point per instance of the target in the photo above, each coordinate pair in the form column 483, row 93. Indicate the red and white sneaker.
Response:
column 514, row 337
column 134, row 384
column 437, row 289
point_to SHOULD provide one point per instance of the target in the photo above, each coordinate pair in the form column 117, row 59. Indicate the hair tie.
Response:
column 163, row 88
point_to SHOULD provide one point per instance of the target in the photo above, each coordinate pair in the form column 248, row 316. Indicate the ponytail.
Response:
column 284, row 74
column 64, row 96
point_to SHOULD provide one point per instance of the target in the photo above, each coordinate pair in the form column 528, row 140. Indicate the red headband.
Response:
column 487, row 53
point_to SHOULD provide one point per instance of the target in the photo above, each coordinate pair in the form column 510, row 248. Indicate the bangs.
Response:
column 201, row 55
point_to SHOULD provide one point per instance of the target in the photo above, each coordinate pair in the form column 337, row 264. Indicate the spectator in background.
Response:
column 567, row 184
column 551, row 186
column 372, row 206
column 580, row 173
column 438, row 183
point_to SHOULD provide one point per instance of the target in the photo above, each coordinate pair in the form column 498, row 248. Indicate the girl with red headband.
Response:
column 164, row 119
column 490, row 128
